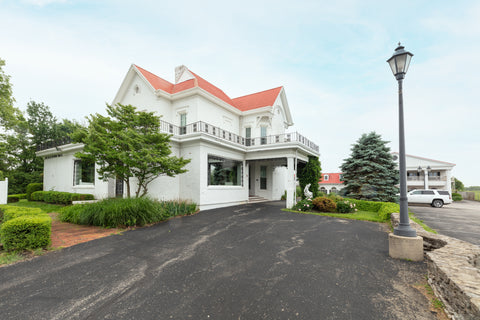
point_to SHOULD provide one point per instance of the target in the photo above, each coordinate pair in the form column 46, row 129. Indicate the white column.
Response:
column 425, row 172
column 290, row 183
column 4, row 191
column 448, row 183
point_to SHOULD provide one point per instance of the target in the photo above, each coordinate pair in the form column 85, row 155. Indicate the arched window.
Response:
column 334, row 190
column 322, row 189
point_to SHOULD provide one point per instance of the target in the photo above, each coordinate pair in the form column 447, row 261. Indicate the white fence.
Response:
column 4, row 191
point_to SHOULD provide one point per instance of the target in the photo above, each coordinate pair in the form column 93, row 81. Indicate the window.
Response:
column 248, row 136
column 326, row 177
column 263, row 135
column 341, row 177
column 224, row 172
column 263, row 177
column 183, row 123
column 83, row 172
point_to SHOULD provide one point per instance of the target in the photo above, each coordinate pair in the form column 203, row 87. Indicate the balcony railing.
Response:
column 220, row 133
column 204, row 127
column 422, row 178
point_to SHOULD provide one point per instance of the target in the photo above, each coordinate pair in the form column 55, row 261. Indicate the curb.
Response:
column 453, row 272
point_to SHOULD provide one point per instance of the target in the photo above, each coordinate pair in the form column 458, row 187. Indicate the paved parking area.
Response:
column 459, row 220
column 244, row 262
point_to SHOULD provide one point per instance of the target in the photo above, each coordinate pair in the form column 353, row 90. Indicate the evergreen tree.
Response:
column 370, row 173
column 311, row 173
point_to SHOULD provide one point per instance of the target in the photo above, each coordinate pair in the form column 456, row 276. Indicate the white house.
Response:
column 331, row 182
column 238, row 147
column 424, row 173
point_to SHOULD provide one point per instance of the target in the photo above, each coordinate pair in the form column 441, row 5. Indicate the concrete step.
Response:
column 255, row 199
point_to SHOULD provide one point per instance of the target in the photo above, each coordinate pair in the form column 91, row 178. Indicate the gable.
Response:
column 185, row 80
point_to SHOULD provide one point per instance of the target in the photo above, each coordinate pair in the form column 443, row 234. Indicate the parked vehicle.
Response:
column 436, row 198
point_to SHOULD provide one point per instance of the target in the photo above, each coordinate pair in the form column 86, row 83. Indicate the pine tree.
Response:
column 370, row 173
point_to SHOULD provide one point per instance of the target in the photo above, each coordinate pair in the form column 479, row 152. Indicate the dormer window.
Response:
column 325, row 177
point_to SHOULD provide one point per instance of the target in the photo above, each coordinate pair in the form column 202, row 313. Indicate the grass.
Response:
column 115, row 213
column 477, row 195
column 420, row 222
column 16, row 256
column 359, row 215
column 47, row 207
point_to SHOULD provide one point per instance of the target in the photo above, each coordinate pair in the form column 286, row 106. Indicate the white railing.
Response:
column 204, row 127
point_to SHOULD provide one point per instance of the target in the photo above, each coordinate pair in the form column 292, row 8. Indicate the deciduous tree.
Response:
column 128, row 144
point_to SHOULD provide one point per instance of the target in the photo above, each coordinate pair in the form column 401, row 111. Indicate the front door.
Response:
column 251, row 179
column 118, row 188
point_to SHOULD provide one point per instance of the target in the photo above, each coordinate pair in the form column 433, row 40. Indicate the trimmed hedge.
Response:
column 24, row 228
column 31, row 188
column 26, row 232
column 58, row 197
column 115, row 213
column 16, row 197
column 383, row 209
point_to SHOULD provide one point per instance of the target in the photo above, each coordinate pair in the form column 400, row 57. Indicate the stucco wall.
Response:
column 218, row 196
column 58, row 176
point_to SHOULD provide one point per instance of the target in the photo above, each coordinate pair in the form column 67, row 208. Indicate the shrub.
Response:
column 324, row 204
column 345, row 206
column 58, row 197
column 11, row 212
column 13, row 198
column 31, row 188
column 284, row 196
column 457, row 197
column 26, row 232
column 386, row 209
column 125, row 212
column 303, row 205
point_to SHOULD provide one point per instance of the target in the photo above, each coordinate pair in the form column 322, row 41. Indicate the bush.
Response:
column 324, row 204
column 345, row 206
column 58, row 197
column 11, row 212
column 127, row 212
column 457, row 197
column 386, row 209
column 26, row 232
column 303, row 205
column 31, row 188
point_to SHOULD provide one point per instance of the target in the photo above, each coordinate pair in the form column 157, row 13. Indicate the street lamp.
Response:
column 399, row 63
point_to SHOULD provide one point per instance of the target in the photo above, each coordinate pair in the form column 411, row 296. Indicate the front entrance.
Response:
column 251, row 179
column 118, row 188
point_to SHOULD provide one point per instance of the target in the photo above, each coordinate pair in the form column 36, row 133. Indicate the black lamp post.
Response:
column 399, row 63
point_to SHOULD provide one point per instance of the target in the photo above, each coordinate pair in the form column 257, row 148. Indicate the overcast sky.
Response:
column 329, row 55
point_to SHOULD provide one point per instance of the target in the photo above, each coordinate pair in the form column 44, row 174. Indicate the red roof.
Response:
column 248, row 102
column 332, row 178
column 257, row 100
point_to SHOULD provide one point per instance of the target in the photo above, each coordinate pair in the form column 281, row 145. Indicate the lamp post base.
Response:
column 407, row 248
column 404, row 231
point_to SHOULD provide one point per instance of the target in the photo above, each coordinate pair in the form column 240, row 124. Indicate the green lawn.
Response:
column 477, row 195
column 47, row 207
column 359, row 215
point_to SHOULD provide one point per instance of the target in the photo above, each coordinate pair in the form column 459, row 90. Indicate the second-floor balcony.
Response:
column 203, row 127
column 209, row 129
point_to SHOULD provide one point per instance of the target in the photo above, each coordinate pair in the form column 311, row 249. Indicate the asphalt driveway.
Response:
column 244, row 262
column 459, row 220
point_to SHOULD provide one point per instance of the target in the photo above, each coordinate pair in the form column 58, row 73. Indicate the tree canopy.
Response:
column 20, row 134
column 128, row 144
column 370, row 172
column 459, row 185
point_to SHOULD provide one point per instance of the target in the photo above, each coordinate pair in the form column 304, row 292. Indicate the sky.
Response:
column 330, row 56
